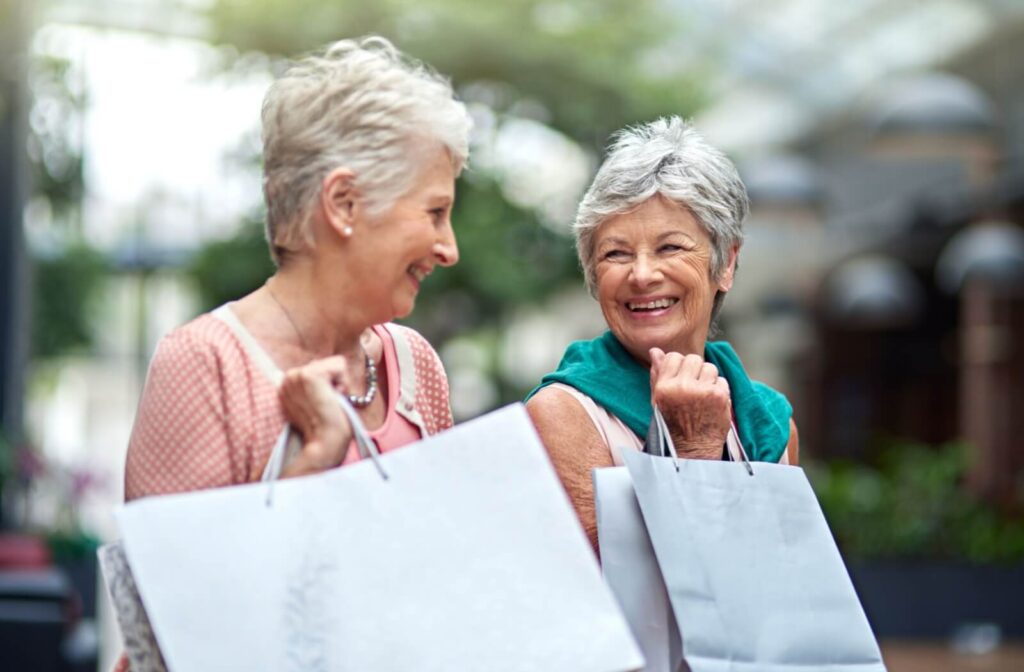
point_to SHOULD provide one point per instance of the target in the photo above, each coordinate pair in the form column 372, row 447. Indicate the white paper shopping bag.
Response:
column 467, row 556
column 631, row 570
column 752, row 571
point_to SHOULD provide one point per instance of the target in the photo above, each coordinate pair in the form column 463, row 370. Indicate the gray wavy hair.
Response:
column 361, row 104
column 667, row 157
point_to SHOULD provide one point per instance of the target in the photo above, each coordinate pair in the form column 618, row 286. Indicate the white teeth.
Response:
column 651, row 305
column 418, row 273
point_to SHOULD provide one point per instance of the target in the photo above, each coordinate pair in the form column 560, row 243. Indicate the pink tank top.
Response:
column 395, row 431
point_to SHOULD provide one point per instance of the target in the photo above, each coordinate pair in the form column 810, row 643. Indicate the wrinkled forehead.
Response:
column 653, row 219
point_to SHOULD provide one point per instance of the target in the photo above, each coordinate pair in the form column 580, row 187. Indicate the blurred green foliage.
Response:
column 913, row 505
column 67, row 273
column 226, row 270
column 65, row 285
column 592, row 65
column 69, row 546
column 55, row 142
column 507, row 258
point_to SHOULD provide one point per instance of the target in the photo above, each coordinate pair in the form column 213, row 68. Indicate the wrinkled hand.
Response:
column 308, row 397
column 695, row 402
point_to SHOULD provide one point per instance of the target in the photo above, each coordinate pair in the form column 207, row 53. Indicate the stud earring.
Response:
column 347, row 232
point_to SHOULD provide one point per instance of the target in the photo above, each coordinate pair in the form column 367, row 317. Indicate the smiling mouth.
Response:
column 418, row 274
column 650, row 306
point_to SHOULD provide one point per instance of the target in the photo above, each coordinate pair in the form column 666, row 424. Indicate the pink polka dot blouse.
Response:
column 209, row 413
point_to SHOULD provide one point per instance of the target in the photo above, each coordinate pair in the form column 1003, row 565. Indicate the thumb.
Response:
column 657, row 355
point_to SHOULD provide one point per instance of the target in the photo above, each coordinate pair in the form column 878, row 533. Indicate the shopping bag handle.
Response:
column 364, row 444
column 663, row 440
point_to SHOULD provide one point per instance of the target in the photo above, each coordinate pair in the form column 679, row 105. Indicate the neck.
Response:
column 326, row 316
column 693, row 345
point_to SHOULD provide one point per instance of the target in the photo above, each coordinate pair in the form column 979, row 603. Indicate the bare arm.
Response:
column 793, row 447
column 575, row 448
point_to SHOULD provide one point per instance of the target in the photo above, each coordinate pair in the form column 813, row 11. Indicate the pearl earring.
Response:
column 347, row 231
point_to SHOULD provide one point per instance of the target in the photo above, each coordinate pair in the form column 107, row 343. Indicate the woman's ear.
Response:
column 339, row 200
column 725, row 280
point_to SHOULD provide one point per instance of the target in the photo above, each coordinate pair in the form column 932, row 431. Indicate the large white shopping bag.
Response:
column 460, row 552
column 631, row 570
column 752, row 571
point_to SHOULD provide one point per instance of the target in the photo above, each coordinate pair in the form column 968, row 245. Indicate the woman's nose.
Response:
column 446, row 250
column 644, row 271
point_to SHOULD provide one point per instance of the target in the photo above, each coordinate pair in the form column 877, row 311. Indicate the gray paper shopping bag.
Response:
column 631, row 570
column 752, row 571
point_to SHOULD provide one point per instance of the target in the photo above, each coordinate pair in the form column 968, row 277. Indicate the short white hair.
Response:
column 361, row 104
column 666, row 157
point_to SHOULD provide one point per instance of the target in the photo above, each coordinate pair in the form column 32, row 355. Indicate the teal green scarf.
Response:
column 604, row 371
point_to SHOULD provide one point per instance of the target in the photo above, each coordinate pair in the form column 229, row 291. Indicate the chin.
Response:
column 640, row 344
column 403, row 310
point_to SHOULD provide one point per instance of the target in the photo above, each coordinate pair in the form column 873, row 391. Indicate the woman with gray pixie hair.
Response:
column 361, row 148
column 658, row 235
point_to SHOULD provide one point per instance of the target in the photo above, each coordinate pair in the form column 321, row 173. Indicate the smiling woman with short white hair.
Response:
column 361, row 148
column 658, row 235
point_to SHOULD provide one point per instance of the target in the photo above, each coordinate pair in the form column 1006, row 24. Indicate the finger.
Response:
column 722, row 388
column 657, row 356
column 670, row 365
column 328, row 367
column 306, row 400
column 295, row 402
column 691, row 366
column 708, row 372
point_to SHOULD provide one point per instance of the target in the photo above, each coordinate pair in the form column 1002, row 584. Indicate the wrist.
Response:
column 698, row 450
column 313, row 459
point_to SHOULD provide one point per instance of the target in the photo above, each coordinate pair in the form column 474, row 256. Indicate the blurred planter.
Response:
column 75, row 553
column 928, row 559
column 939, row 600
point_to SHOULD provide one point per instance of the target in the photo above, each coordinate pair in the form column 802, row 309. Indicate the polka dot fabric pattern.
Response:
column 433, row 399
column 209, row 416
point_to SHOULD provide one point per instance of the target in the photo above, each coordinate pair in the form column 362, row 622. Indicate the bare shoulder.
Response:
column 561, row 420
column 552, row 403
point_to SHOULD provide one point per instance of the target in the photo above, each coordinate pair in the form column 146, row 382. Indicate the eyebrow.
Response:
column 669, row 234
column 616, row 240
column 440, row 200
column 612, row 241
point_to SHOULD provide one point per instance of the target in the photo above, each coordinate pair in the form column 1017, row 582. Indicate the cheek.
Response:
column 607, row 280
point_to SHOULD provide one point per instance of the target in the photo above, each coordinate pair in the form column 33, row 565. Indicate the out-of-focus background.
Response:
column 881, row 284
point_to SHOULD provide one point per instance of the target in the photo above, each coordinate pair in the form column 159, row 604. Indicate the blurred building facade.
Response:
column 883, row 281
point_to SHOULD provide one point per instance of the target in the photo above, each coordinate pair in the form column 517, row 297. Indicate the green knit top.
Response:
column 603, row 370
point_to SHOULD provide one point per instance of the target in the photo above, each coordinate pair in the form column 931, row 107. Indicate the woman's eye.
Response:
column 615, row 254
column 437, row 213
column 669, row 248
